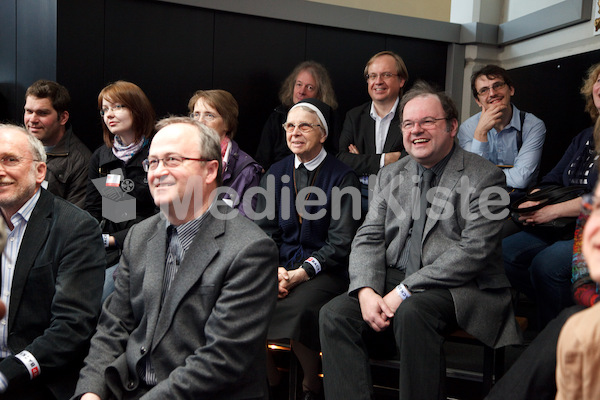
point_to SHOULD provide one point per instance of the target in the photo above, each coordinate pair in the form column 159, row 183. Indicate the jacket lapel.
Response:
column 394, row 135
column 34, row 238
column 368, row 129
column 153, row 274
column 450, row 178
column 202, row 251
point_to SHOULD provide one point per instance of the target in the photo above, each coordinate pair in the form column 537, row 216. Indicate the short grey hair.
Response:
column 210, row 143
column 35, row 145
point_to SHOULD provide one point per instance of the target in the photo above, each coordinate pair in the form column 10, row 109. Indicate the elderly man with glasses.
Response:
column 52, row 273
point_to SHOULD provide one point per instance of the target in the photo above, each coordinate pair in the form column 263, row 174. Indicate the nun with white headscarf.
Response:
column 313, row 230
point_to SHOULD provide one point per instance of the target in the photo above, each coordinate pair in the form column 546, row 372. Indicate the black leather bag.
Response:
column 558, row 229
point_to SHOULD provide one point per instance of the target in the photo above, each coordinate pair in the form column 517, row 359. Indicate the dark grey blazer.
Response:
column 55, row 296
column 208, row 341
column 462, row 252
column 359, row 129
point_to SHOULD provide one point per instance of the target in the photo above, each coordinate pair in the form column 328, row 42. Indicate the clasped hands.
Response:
column 289, row 280
column 378, row 311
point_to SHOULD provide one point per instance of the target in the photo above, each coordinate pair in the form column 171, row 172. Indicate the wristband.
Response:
column 402, row 291
column 30, row 363
column 105, row 237
column 314, row 263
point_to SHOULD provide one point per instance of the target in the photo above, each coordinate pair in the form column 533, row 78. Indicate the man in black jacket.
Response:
column 371, row 136
column 46, row 116
column 52, row 275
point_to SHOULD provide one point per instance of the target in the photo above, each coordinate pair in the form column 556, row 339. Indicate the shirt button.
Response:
column 143, row 350
column 130, row 385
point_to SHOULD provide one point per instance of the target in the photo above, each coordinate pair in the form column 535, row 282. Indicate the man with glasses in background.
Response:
column 193, row 298
column 52, row 274
column 371, row 137
column 510, row 138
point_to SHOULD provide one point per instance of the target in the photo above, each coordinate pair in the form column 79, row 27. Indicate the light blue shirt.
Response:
column 501, row 147
column 9, row 259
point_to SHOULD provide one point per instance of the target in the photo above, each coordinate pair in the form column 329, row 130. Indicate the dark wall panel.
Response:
column 8, row 59
column 80, row 55
column 165, row 49
column 424, row 59
column 36, row 45
column 252, row 57
column 344, row 53
column 171, row 50
column 550, row 90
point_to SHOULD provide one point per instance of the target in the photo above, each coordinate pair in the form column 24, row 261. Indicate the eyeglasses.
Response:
column 208, row 117
column 115, row 109
column 304, row 127
column 425, row 123
column 496, row 86
column 150, row 164
column 13, row 161
column 384, row 75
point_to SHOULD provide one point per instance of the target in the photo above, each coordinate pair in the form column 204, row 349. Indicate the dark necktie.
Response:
column 144, row 368
column 172, row 260
column 414, row 255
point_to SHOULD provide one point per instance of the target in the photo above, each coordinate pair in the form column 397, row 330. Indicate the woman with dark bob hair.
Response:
column 128, row 126
column 308, row 80
column 218, row 110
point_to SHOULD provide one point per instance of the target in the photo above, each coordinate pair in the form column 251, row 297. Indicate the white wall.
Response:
column 561, row 43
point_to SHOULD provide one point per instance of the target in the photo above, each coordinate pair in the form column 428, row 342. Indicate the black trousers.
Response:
column 417, row 331
column 532, row 376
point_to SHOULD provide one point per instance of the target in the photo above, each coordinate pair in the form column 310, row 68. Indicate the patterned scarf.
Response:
column 123, row 152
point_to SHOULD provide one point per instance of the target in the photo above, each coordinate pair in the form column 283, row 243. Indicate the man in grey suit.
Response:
column 194, row 291
column 410, row 287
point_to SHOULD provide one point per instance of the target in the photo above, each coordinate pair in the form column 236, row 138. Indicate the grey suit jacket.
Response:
column 208, row 341
column 461, row 248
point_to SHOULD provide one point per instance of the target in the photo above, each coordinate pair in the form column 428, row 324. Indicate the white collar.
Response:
column 314, row 163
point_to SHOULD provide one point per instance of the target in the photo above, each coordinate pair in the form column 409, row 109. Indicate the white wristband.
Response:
column 30, row 363
column 105, row 238
column 315, row 264
column 403, row 291
column 3, row 383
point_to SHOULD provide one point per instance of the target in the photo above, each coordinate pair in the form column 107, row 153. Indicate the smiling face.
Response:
column 18, row 183
column 181, row 192
column 43, row 121
column 493, row 97
column 591, row 238
column 306, row 145
column 384, row 90
column 428, row 146
column 118, row 121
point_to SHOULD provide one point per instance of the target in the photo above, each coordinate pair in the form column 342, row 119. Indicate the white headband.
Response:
column 315, row 109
